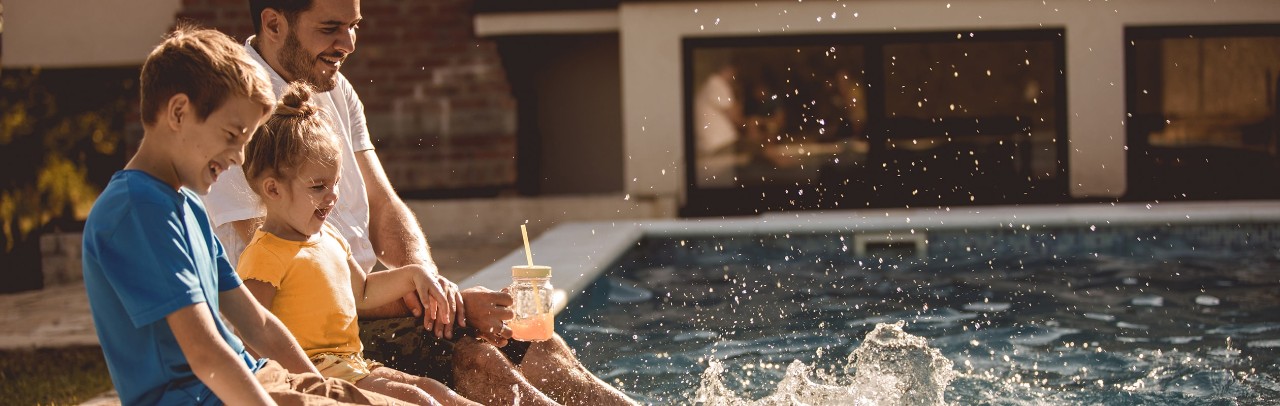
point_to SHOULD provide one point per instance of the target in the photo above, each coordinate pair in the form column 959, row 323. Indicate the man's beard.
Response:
column 301, row 66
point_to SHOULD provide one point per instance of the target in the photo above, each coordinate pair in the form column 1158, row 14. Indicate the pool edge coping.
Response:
column 578, row 252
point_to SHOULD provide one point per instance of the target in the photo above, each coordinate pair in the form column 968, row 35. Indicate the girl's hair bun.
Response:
column 297, row 101
column 296, row 135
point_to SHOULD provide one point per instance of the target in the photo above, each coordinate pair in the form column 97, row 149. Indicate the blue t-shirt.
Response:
column 149, row 251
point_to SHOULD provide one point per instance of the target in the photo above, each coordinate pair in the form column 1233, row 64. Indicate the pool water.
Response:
column 1024, row 315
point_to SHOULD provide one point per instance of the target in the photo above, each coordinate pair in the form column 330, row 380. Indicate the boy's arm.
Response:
column 212, row 360
column 262, row 331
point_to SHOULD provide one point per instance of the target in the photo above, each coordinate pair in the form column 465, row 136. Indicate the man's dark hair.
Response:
column 290, row 9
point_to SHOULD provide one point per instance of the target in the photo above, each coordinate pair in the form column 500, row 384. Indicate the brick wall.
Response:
column 437, row 101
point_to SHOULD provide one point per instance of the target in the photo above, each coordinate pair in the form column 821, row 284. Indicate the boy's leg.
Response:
column 551, row 367
column 311, row 389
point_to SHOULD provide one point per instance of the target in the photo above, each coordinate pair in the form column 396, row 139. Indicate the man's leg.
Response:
column 552, row 367
column 484, row 375
column 475, row 369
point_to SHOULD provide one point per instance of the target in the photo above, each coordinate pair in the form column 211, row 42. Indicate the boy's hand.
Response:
column 489, row 311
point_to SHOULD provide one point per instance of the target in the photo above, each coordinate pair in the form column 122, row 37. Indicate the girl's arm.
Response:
column 263, row 292
column 372, row 290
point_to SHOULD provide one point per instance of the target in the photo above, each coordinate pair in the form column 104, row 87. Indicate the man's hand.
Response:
column 414, row 303
column 488, row 311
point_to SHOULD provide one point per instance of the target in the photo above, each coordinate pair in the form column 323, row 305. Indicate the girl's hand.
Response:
column 441, row 300
column 450, row 311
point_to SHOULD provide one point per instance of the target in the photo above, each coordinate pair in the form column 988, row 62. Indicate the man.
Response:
column 309, row 40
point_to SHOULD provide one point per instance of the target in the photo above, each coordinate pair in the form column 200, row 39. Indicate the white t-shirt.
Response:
column 230, row 199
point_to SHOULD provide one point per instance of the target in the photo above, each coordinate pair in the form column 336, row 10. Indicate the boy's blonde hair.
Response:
column 297, row 133
column 207, row 66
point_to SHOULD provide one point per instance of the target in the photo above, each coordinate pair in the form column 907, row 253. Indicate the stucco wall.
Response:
column 78, row 33
column 651, row 36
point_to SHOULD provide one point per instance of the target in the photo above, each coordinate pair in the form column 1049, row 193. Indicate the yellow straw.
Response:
column 528, row 254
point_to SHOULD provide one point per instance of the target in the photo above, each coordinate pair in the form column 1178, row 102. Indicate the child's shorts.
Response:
column 348, row 367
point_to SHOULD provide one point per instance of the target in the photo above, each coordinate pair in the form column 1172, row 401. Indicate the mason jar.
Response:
column 531, row 291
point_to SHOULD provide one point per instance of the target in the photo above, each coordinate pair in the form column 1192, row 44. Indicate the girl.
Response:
column 301, row 268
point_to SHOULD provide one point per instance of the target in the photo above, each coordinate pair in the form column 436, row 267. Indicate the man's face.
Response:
column 211, row 146
column 318, row 42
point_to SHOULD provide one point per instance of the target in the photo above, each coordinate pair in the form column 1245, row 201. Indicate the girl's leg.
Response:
column 401, row 391
column 395, row 380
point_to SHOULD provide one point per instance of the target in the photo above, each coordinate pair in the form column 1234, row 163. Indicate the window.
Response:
column 878, row 120
column 1202, row 112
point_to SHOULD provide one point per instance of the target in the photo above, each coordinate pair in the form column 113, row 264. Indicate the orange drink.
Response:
column 536, row 328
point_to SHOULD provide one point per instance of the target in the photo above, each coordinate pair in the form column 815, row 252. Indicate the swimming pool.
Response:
column 1111, row 304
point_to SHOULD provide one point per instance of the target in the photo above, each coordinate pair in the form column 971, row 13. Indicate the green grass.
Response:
column 57, row 376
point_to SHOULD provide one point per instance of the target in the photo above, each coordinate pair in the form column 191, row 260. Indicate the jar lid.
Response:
column 531, row 271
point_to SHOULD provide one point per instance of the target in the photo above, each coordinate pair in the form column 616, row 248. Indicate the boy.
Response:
column 156, row 276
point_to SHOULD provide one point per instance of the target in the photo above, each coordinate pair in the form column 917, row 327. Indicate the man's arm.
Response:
column 212, row 360
column 394, row 231
column 245, row 228
column 398, row 241
column 262, row 331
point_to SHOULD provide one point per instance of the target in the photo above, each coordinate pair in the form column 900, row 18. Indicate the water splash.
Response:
column 891, row 367
column 913, row 372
